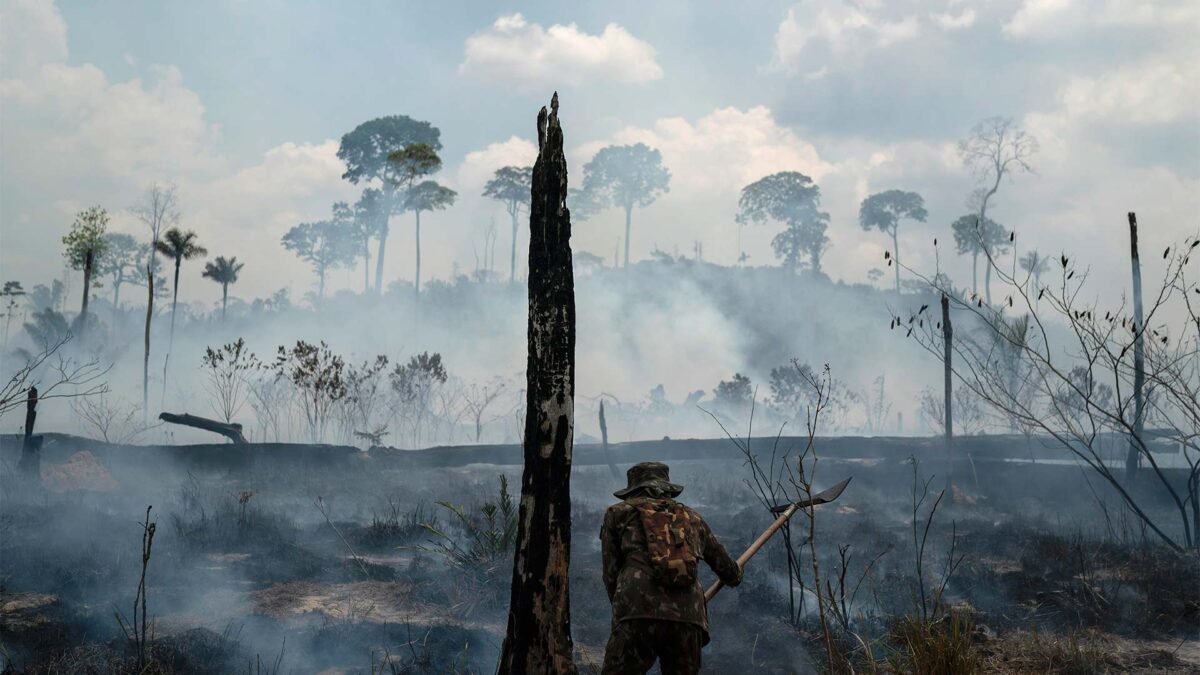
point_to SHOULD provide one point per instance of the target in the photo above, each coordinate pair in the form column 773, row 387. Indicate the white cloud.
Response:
column 142, row 128
column 722, row 151
column 80, row 139
column 250, row 209
column 948, row 22
column 839, row 27
column 710, row 160
column 1141, row 94
column 479, row 165
column 514, row 50
column 1051, row 19
column 32, row 32
column 1036, row 16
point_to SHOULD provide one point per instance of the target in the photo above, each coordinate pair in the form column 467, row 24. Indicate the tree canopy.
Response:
column 320, row 243
column 884, row 211
column 86, row 236
column 367, row 149
column 369, row 215
column 793, row 199
column 179, row 245
column 971, row 240
column 510, row 185
column 413, row 162
column 223, row 270
column 624, row 176
column 429, row 196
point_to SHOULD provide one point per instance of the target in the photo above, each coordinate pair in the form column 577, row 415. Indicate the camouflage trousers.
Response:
column 636, row 643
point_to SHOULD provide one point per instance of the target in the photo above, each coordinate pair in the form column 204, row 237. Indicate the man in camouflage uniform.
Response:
column 653, row 619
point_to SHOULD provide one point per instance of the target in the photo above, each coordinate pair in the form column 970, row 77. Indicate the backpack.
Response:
column 666, row 523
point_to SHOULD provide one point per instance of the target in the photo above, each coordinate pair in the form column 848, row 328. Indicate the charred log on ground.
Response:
column 231, row 431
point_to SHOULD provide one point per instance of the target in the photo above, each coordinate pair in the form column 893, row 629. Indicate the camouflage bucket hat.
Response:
column 653, row 475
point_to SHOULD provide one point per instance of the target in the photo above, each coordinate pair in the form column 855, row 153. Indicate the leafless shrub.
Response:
column 969, row 413
column 227, row 369
column 413, row 387
column 779, row 484
column 876, row 408
column 478, row 399
column 1057, row 388
column 271, row 399
column 55, row 374
column 318, row 376
column 138, row 630
column 360, row 408
column 114, row 420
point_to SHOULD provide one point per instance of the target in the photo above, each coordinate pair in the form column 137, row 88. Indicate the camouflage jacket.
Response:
column 627, row 575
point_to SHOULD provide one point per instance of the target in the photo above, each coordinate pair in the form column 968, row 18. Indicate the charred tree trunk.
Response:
column 232, row 431
column 417, row 277
column 628, row 226
column 383, row 235
column 31, row 446
column 1133, row 458
column 146, row 357
column 174, row 311
column 538, row 638
column 88, row 261
column 896, row 253
column 948, row 386
column 612, row 468
column 512, row 265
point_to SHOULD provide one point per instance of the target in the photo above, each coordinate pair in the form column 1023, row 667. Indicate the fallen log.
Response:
column 231, row 431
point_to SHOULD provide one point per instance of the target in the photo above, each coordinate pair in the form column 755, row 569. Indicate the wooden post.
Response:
column 612, row 468
column 1133, row 458
column 538, row 637
column 31, row 446
column 948, row 387
column 146, row 357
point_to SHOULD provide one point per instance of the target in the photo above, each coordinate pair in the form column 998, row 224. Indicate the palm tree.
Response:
column 178, row 245
column 224, row 271
column 1036, row 265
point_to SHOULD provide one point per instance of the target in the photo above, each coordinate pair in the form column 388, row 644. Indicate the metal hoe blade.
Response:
column 822, row 497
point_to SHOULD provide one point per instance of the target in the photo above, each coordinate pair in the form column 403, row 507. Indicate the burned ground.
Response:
column 249, row 575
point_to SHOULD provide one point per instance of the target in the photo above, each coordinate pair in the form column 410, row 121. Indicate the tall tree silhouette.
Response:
column 223, row 271
column 1036, row 265
column 410, row 164
column 370, row 217
column 85, row 245
column 178, row 245
column 120, row 262
column 365, row 152
column 883, row 211
column 157, row 209
column 510, row 186
column 996, row 148
column 325, row 244
column 990, row 239
column 622, row 176
column 793, row 199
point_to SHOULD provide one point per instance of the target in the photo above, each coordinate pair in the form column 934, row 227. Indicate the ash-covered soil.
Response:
column 363, row 566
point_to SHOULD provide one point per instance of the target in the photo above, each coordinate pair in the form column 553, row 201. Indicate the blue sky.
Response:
column 241, row 105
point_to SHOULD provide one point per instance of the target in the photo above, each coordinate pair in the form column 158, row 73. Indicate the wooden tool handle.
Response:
column 758, row 544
